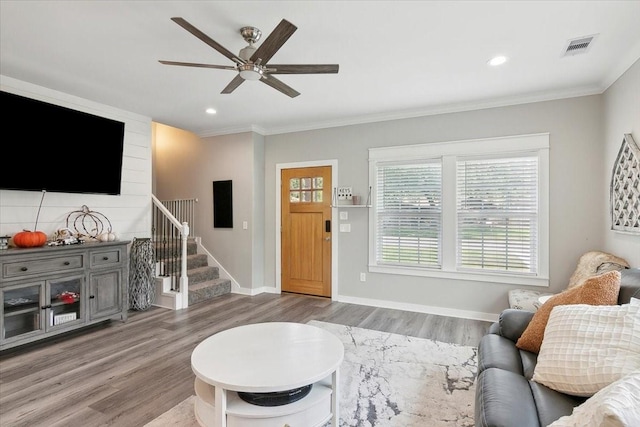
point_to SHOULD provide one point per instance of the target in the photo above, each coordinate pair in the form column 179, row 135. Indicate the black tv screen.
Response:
column 59, row 149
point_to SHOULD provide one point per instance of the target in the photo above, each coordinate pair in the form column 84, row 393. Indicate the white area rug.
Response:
column 389, row 380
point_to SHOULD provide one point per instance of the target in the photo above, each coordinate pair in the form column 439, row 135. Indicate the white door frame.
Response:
column 334, row 223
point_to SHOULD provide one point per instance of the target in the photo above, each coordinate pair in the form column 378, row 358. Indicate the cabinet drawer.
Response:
column 43, row 265
column 105, row 258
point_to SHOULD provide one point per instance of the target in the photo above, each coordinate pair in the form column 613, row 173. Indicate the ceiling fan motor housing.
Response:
column 246, row 52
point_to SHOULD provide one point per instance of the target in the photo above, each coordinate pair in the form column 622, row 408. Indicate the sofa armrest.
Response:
column 512, row 323
column 494, row 328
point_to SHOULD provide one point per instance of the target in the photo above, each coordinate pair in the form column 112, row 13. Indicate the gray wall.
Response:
column 256, row 225
column 577, row 172
column 186, row 166
column 622, row 115
column 585, row 136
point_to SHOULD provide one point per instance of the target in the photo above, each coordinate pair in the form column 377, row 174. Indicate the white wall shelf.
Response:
column 339, row 202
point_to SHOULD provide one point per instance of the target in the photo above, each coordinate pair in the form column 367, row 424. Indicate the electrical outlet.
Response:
column 363, row 277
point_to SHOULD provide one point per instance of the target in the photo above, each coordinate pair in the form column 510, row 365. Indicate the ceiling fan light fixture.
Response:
column 250, row 71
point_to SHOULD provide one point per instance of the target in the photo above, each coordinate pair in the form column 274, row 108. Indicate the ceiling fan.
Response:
column 253, row 63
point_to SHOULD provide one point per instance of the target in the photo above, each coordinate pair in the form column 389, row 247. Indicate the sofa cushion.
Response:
column 618, row 404
column 552, row 404
column 629, row 285
column 504, row 398
column 586, row 348
column 598, row 290
column 495, row 351
column 529, row 361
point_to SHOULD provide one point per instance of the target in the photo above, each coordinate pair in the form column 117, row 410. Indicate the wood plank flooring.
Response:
column 128, row 373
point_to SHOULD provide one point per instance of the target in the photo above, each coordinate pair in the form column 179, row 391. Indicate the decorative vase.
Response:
column 141, row 274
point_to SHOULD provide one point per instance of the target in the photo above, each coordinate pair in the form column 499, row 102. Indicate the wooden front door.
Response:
column 306, row 230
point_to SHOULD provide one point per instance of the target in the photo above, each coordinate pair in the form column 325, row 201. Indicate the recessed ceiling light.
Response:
column 497, row 60
column 210, row 111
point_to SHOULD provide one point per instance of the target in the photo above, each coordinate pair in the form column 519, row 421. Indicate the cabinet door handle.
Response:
column 106, row 258
column 24, row 269
column 92, row 296
column 46, row 306
column 67, row 263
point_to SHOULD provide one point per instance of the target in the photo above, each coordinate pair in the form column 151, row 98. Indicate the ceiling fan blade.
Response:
column 208, row 40
column 302, row 68
column 191, row 64
column 277, row 84
column 237, row 81
column 274, row 41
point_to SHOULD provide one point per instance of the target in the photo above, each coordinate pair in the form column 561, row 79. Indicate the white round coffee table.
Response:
column 266, row 358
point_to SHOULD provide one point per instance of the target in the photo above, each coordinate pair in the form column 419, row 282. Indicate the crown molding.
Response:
column 409, row 114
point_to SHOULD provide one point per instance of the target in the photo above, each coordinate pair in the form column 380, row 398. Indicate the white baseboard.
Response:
column 441, row 311
column 253, row 292
column 165, row 297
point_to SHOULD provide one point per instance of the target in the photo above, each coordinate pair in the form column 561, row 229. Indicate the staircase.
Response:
column 204, row 280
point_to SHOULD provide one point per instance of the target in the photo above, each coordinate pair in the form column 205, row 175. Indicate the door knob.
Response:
column 327, row 238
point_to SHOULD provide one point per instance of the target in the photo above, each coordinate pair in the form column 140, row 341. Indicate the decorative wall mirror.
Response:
column 625, row 188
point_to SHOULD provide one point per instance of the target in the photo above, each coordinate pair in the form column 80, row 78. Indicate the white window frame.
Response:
column 449, row 152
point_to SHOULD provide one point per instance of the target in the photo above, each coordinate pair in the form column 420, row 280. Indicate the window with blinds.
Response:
column 409, row 210
column 468, row 210
column 497, row 214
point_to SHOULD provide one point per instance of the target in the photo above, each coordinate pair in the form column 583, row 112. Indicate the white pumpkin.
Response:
column 107, row 237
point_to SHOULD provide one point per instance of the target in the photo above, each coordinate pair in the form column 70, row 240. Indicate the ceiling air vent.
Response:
column 579, row 45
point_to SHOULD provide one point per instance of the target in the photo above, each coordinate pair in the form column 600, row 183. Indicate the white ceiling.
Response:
column 397, row 58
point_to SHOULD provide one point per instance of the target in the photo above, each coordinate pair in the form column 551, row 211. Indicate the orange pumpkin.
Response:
column 29, row 239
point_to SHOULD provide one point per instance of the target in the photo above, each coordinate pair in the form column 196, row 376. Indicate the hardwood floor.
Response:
column 128, row 373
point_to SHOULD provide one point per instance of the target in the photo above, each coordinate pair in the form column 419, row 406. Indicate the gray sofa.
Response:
column 505, row 394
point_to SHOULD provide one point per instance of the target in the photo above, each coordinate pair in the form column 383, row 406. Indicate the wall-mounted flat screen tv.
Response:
column 59, row 149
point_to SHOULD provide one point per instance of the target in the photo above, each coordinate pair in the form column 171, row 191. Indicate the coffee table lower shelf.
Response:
column 312, row 410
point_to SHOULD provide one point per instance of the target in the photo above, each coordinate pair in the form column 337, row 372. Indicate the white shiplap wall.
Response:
column 129, row 213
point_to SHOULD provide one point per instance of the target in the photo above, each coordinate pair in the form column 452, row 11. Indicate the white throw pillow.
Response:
column 586, row 347
column 616, row 405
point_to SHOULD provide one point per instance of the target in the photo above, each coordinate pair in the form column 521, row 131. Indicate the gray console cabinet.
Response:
column 56, row 289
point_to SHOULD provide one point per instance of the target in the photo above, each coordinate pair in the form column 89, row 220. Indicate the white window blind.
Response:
column 497, row 214
column 408, row 212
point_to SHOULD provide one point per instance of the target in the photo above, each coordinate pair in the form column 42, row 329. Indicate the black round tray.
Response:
column 276, row 398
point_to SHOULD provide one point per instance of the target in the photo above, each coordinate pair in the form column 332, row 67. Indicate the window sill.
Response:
column 456, row 275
